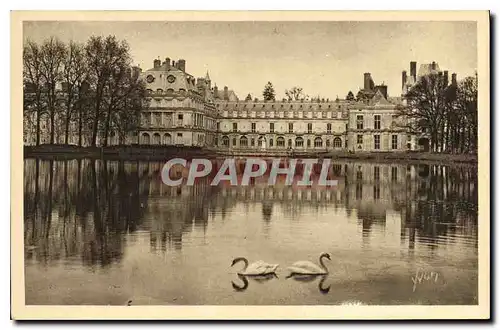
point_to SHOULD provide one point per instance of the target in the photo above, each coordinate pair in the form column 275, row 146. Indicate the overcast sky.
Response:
column 325, row 58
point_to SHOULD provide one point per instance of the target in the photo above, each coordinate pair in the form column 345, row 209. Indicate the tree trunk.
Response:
column 94, row 129
column 106, row 126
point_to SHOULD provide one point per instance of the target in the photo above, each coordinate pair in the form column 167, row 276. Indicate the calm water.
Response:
column 106, row 232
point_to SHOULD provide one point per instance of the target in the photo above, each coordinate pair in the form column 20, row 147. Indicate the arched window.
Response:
column 243, row 141
column 337, row 142
column 159, row 90
column 156, row 138
column 145, row 138
column 167, row 139
column 299, row 142
column 280, row 141
column 225, row 141
column 261, row 141
column 318, row 143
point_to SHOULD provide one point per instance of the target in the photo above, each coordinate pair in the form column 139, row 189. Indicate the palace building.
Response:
column 187, row 111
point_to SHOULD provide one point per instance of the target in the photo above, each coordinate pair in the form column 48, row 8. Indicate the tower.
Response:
column 208, row 81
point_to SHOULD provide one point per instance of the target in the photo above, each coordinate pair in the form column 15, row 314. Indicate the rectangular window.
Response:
column 394, row 142
column 290, row 128
column 271, row 142
column 376, row 139
column 253, row 127
column 180, row 117
column 377, row 122
column 394, row 173
column 309, row 128
column 376, row 173
column 359, row 122
column 235, row 127
column 179, row 134
column 328, row 128
column 359, row 174
column 252, row 142
column 218, row 126
column 360, row 139
column 271, row 127
column 234, row 141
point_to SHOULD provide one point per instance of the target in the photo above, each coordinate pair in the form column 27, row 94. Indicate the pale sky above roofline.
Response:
column 324, row 58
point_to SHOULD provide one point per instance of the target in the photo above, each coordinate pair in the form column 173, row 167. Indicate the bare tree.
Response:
column 105, row 56
column 52, row 54
column 426, row 107
column 33, row 84
column 126, row 117
column 73, row 75
column 294, row 94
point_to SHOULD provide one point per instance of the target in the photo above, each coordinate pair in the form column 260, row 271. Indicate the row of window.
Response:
column 282, row 106
column 280, row 142
column 377, row 121
column 376, row 141
column 295, row 114
column 271, row 127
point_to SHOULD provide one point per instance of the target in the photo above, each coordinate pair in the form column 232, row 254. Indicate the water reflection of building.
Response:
column 83, row 208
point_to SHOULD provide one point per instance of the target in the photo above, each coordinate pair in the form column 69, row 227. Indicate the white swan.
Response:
column 257, row 268
column 308, row 268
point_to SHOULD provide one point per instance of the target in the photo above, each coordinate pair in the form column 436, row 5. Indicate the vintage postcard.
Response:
column 250, row 165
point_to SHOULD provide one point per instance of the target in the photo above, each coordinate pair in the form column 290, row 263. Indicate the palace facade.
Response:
column 187, row 111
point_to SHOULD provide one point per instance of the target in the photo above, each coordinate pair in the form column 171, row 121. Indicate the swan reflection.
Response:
column 256, row 278
column 311, row 278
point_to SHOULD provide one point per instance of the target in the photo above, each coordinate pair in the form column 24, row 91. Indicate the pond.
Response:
column 103, row 232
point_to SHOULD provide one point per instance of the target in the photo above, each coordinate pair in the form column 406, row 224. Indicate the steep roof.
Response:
column 426, row 69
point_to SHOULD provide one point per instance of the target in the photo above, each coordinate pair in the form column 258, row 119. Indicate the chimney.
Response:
column 403, row 79
column 216, row 91
column 167, row 62
column 226, row 93
column 433, row 65
column 156, row 63
column 173, row 64
column 181, row 64
column 367, row 78
column 413, row 70
column 445, row 73
column 454, row 79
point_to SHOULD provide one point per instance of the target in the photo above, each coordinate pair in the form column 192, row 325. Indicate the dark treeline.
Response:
column 446, row 113
column 88, row 90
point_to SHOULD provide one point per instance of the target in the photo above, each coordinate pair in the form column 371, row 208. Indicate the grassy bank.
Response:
column 151, row 152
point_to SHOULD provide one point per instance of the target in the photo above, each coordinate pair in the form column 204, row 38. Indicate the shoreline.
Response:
column 142, row 152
